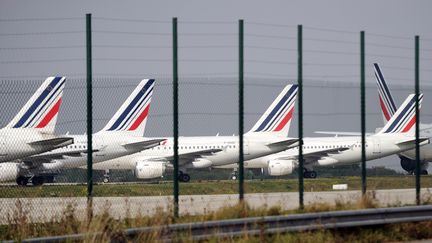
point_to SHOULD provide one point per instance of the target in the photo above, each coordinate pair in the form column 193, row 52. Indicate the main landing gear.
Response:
column 183, row 177
column 35, row 180
column 106, row 176
column 309, row 174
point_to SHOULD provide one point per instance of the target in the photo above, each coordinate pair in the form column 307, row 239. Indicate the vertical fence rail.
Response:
column 300, row 112
column 175, row 119
column 363, row 112
column 241, row 111
column 417, row 125
column 89, row 117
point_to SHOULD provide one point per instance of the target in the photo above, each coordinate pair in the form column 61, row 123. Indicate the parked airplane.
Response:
column 395, row 137
column 31, row 131
column 268, row 136
column 123, row 135
column 388, row 107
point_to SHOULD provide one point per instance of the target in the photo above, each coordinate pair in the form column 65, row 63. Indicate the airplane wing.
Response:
column 143, row 144
column 60, row 154
column 186, row 158
column 316, row 155
column 342, row 133
column 53, row 142
column 289, row 143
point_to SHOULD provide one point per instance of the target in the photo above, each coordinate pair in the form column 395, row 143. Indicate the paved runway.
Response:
column 45, row 209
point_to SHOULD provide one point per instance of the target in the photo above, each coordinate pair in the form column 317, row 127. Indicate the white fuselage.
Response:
column 376, row 147
column 254, row 146
column 15, row 143
column 106, row 146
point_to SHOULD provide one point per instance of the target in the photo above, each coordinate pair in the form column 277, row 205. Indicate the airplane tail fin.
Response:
column 387, row 104
column 131, row 118
column 277, row 118
column 404, row 119
column 40, row 111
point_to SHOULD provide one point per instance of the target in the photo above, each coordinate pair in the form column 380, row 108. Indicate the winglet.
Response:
column 277, row 118
column 132, row 115
column 387, row 104
column 404, row 119
column 40, row 111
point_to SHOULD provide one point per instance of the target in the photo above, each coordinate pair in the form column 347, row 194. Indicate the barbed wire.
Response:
column 43, row 33
column 40, row 19
column 132, row 20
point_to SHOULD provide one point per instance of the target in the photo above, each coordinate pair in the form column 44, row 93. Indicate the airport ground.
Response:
column 206, row 187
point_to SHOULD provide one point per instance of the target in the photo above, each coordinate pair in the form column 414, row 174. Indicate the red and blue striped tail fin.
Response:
column 132, row 115
column 404, row 119
column 41, row 110
column 387, row 104
column 277, row 118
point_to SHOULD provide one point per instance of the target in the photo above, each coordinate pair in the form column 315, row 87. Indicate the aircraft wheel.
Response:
column 22, row 181
column 184, row 178
column 312, row 174
column 37, row 181
column 306, row 174
column 424, row 172
column 105, row 180
column 233, row 177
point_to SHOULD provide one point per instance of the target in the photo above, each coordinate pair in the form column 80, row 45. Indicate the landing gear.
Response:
column 183, row 177
column 106, row 178
column 22, row 180
column 234, row 174
column 37, row 180
column 309, row 174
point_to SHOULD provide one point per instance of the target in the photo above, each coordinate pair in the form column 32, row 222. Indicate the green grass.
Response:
column 20, row 227
column 213, row 187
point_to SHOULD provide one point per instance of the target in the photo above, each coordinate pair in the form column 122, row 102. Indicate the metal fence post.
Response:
column 89, row 118
column 417, row 125
column 241, row 110
column 363, row 111
column 175, row 119
column 300, row 111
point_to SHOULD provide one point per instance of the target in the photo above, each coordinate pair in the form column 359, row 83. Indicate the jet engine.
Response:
column 201, row 163
column 280, row 167
column 409, row 165
column 8, row 171
column 149, row 170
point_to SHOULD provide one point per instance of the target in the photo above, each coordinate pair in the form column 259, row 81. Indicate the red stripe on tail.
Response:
column 50, row 115
column 384, row 109
column 285, row 120
column 410, row 124
column 141, row 118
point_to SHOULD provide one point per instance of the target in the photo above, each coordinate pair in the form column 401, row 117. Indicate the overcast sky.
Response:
column 132, row 40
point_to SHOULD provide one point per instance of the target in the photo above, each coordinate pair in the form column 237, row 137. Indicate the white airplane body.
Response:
column 388, row 108
column 31, row 131
column 395, row 137
column 268, row 136
column 327, row 151
column 121, row 136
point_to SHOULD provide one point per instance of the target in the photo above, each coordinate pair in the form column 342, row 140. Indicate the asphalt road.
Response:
column 45, row 209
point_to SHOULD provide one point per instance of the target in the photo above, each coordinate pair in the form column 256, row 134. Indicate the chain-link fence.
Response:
column 133, row 168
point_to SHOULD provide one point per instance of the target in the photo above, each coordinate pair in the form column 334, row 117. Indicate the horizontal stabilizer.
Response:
column 423, row 141
column 288, row 143
column 53, row 142
column 143, row 144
